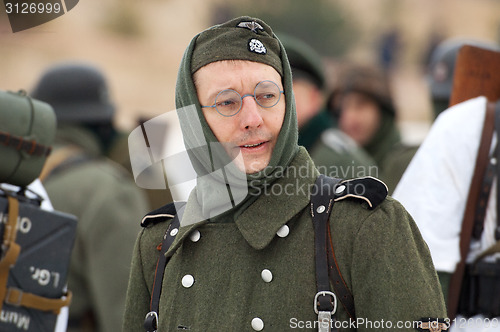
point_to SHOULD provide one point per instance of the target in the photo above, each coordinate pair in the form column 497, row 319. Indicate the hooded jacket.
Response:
column 256, row 271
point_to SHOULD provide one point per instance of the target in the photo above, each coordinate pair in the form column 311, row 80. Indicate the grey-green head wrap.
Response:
column 243, row 38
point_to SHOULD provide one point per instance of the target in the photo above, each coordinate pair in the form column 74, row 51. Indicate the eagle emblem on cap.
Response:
column 253, row 26
column 256, row 46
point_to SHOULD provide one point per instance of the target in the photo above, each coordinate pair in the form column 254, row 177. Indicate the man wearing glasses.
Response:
column 247, row 263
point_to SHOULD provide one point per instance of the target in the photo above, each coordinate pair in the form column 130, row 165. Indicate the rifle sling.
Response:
column 471, row 206
column 497, row 160
column 483, row 198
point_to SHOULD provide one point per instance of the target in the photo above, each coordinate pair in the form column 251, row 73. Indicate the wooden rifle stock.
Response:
column 477, row 73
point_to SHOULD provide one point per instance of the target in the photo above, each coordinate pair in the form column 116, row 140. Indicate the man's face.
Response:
column 254, row 130
column 359, row 117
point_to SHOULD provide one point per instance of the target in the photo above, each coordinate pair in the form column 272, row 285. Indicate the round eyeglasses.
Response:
column 228, row 102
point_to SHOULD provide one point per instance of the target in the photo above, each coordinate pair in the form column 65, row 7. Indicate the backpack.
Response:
column 36, row 244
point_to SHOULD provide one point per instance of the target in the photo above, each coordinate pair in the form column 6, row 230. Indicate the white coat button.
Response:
column 340, row 189
column 283, row 231
column 257, row 324
column 321, row 209
column 266, row 275
column 174, row 232
column 187, row 281
column 195, row 236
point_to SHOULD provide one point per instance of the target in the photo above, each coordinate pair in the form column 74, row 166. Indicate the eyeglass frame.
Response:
column 245, row 95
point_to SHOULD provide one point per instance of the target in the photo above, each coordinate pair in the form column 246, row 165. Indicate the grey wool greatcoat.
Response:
column 214, row 280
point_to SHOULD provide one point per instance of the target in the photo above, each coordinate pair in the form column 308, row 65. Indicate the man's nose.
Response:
column 250, row 113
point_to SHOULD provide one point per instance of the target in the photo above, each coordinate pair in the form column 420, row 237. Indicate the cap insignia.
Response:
column 256, row 46
column 253, row 26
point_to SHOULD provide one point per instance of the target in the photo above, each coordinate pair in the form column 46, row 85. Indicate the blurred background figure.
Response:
column 446, row 162
column 119, row 153
column 362, row 103
column 81, row 181
column 389, row 49
column 442, row 67
column 333, row 152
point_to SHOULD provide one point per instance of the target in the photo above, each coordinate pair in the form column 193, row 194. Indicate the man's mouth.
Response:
column 252, row 145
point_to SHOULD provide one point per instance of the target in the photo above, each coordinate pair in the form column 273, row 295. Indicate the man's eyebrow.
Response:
column 212, row 97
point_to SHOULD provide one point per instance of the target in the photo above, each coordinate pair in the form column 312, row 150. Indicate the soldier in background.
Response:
column 363, row 104
column 81, row 181
column 446, row 162
column 442, row 67
column 119, row 153
column 333, row 152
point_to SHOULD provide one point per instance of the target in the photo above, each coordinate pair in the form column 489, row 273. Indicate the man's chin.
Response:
column 254, row 167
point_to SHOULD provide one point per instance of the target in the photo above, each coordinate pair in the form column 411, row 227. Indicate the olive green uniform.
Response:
column 390, row 153
column 107, row 203
column 380, row 253
column 119, row 153
column 337, row 155
column 333, row 152
column 395, row 164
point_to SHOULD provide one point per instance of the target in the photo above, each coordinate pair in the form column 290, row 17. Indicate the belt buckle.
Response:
column 11, row 291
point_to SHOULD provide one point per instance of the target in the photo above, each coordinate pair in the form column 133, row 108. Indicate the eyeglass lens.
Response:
column 228, row 102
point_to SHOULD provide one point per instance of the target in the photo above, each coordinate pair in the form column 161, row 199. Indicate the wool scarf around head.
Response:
column 218, row 180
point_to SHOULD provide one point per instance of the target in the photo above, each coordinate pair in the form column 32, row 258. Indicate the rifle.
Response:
column 477, row 73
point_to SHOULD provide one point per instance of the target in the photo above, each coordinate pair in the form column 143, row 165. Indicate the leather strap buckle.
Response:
column 325, row 293
column 151, row 321
column 14, row 296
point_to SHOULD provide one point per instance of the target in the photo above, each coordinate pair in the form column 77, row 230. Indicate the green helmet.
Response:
column 77, row 92
column 442, row 65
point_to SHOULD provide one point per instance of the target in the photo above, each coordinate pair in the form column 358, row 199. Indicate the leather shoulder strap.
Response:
column 327, row 270
column 167, row 211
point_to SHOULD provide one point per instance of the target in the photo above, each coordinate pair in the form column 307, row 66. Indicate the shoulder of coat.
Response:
column 367, row 189
column 164, row 213
column 338, row 141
